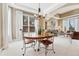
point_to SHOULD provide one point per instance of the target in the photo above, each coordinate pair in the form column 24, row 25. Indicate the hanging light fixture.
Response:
column 39, row 11
column 39, row 15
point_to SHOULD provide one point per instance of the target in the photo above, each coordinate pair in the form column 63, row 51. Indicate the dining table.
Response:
column 37, row 38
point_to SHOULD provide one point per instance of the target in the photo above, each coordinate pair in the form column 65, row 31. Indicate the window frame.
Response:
column 29, row 26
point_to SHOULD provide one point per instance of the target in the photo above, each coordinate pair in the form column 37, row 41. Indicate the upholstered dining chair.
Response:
column 26, row 42
column 46, row 43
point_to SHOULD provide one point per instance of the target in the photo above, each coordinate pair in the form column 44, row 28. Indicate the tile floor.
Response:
column 62, row 45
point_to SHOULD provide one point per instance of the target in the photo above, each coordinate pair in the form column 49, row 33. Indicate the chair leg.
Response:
column 34, row 46
column 45, row 50
column 24, row 50
column 53, row 48
column 23, row 46
column 38, row 46
column 71, row 41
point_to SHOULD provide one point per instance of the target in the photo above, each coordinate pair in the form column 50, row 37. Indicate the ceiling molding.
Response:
column 65, row 8
column 17, row 6
column 52, row 10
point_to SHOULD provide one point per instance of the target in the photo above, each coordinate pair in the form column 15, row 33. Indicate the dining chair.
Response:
column 46, row 42
column 27, row 42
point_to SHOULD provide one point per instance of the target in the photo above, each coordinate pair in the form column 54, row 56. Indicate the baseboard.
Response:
column 0, row 49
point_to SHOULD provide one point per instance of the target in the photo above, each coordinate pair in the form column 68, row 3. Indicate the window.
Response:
column 29, row 23
column 69, row 23
column 32, row 19
column 25, row 23
column 25, row 20
column 32, row 24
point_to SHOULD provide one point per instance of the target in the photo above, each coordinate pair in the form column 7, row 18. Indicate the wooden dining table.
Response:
column 38, row 38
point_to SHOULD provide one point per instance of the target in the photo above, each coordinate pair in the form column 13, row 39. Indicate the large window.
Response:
column 52, row 23
column 70, row 23
column 29, row 23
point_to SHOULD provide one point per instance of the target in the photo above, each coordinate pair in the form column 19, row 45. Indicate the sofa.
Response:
column 75, row 35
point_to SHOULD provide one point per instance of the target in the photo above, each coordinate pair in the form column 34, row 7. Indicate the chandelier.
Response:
column 39, row 14
column 39, row 9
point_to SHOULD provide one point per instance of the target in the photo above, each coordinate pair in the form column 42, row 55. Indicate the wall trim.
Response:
column 1, row 49
column 70, row 16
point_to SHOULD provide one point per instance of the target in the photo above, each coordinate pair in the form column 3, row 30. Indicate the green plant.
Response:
column 40, row 31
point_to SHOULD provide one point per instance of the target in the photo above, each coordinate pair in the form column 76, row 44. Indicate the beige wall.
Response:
column 13, row 23
column 1, row 26
column 60, row 22
column 49, row 24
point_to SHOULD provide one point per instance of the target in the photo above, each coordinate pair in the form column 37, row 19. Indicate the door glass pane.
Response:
column 32, row 24
column 25, row 28
column 32, row 29
column 25, row 23
column 32, row 20
column 25, row 20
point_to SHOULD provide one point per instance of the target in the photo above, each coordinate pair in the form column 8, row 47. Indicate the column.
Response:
column 1, row 34
column 5, row 25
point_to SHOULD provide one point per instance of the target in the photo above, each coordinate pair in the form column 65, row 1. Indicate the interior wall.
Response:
column 60, row 22
column 13, row 23
column 49, row 24
column 5, row 24
column 1, row 39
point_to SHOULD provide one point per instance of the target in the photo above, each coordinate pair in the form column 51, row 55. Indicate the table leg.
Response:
column 37, row 47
